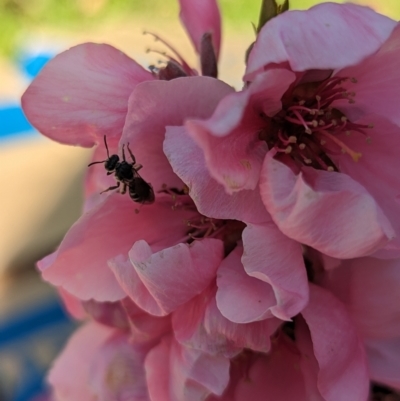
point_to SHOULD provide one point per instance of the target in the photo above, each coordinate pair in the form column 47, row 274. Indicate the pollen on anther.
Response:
column 308, row 131
column 318, row 97
column 307, row 161
column 288, row 149
column 343, row 118
column 330, row 168
column 292, row 139
column 302, row 146
column 314, row 123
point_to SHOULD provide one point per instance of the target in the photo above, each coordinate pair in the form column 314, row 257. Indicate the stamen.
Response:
column 354, row 155
column 185, row 65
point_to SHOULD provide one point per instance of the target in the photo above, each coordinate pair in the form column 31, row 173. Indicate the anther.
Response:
column 302, row 146
column 343, row 118
column 288, row 150
column 308, row 131
column 353, row 80
column 348, row 133
column 307, row 161
column 323, row 142
column 334, row 121
column 370, row 125
column 330, row 168
column 314, row 123
column 368, row 139
column 292, row 139
column 318, row 97
column 321, row 122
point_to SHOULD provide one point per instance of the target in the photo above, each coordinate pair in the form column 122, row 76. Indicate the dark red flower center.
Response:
column 200, row 226
column 309, row 129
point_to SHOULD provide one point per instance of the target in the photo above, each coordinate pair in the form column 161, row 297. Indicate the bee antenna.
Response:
column 105, row 143
column 102, row 161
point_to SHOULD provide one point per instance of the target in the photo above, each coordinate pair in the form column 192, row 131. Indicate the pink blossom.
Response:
column 218, row 289
column 300, row 131
column 369, row 289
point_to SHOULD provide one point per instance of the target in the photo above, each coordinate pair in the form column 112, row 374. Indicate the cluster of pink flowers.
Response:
column 268, row 265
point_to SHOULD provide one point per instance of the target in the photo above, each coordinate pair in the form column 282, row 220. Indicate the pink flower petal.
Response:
column 200, row 17
column 117, row 371
column 384, row 361
column 316, row 207
column 240, row 297
column 230, row 138
column 70, row 372
column 133, row 286
column 72, row 304
column 171, row 276
column 108, row 313
column 277, row 260
column 340, row 366
column 153, row 106
column 82, row 94
column 176, row 373
column 105, row 231
column 378, row 78
column 144, row 327
column 369, row 288
column 199, row 324
column 276, row 375
column 378, row 164
column 327, row 36
column 187, row 161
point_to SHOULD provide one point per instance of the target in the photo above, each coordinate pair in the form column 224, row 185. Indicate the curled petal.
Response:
column 105, row 231
column 155, row 105
column 316, row 207
column 277, row 260
column 177, row 373
column 333, row 357
column 187, row 161
column 327, row 36
column 199, row 324
column 82, row 94
column 200, row 17
column 240, row 297
column 171, row 276
column 230, row 138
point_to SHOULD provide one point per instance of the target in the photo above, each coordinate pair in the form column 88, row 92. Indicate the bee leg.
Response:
column 137, row 167
column 123, row 189
column 123, row 153
column 111, row 188
column 130, row 152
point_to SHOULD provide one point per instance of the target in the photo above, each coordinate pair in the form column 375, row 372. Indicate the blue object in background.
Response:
column 31, row 65
column 12, row 119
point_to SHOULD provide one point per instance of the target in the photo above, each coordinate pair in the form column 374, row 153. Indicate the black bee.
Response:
column 127, row 174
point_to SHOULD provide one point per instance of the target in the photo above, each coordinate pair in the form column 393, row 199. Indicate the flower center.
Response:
column 200, row 226
column 309, row 129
